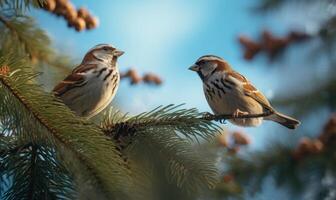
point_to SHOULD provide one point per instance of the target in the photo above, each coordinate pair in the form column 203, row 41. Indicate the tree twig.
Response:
column 210, row 117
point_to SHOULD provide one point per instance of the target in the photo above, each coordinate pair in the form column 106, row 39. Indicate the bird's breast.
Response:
column 102, row 87
column 225, row 97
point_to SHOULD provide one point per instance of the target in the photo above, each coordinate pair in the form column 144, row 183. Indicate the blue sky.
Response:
column 166, row 37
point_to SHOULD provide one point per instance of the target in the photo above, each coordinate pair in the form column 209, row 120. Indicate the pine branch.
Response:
column 22, row 32
column 187, row 122
column 309, row 101
column 211, row 117
column 271, row 5
column 20, row 5
column 28, row 106
column 185, row 166
column 299, row 176
column 176, row 160
column 183, row 122
column 34, row 173
column 167, row 131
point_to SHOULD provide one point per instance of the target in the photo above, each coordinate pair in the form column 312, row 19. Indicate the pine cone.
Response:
column 83, row 13
column 241, row 138
column 152, row 78
column 328, row 135
column 228, row 178
column 135, row 78
column 79, row 24
column 49, row 5
column 304, row 144
column 91, row 22
column 272, row 44
column 223, row 140
column 71, row 15
column 317, row 146
column 251, row 47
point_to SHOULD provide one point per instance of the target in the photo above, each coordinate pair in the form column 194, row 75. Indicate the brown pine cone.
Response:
column 304, row 144
column 91, row 22
column 135, row 78
column 251, row 47
column 71, row 15
column 317, row 146
column 328, row 135
column 83, row 13
column 273, row 45
column 223, row 140
column 152, row 78
column 79, row 24
column 228, row 178
column 240, row 138
column 49, row 5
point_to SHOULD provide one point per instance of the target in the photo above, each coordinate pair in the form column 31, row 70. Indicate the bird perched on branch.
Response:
column 92, row 85
column 227, row 92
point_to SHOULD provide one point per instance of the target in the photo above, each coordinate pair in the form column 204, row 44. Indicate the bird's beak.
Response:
column 194, row 68
column 118, row 53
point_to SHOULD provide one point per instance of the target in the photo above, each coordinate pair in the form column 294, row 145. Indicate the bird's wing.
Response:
column 72, row 81
column 75, row 79
column 251, row 91
column 84, row 68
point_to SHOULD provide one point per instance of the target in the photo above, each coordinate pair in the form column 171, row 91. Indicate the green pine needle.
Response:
column 87, row 153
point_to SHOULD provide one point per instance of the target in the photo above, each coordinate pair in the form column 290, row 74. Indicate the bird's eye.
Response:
column 201, row 62
column 105, row 48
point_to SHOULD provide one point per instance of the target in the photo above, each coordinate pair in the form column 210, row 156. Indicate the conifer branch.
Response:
column 48, row 126
column 129, row 127
column 188, row 122
column 212, row 117
column 20, row 38
column 34, row 173
column 24, row 33
column 20, row 5
column 85, row 143
column 167, row 131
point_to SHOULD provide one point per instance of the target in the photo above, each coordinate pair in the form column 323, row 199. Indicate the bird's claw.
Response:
column 222, row 121
column 239, row 113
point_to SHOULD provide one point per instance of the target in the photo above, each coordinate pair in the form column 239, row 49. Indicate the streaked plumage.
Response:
column 227, row 92
column 92, row 85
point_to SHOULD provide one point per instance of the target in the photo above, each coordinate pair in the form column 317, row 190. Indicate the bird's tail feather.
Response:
column 284, row 120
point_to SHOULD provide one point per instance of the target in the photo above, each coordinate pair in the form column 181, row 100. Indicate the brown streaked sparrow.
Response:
column 228, row 92
column 92, row 85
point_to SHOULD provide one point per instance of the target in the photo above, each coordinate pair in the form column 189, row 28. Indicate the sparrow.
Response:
column 228, row 92
column 92, row 85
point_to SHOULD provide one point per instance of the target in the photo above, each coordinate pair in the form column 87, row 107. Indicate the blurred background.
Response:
column 286, row 48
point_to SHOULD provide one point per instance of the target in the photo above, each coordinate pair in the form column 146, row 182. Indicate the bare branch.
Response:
column 211, row 117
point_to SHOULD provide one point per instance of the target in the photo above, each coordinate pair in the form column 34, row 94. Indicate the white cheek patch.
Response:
column 207, row 70
column 101, row 55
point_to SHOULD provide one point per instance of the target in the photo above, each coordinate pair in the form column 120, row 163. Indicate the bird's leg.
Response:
column 238, row 113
